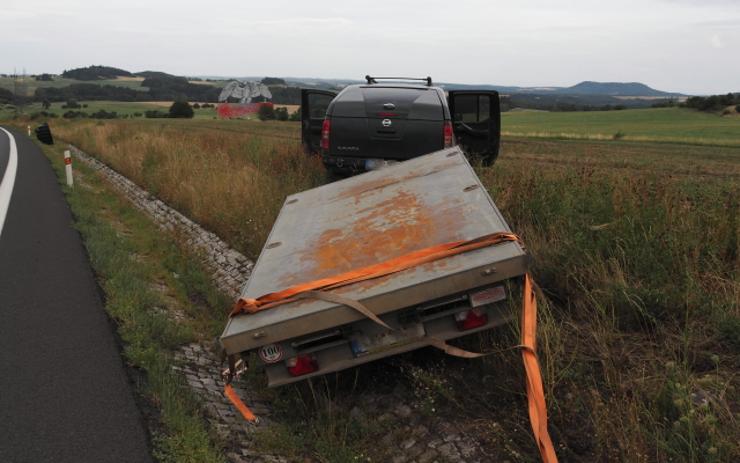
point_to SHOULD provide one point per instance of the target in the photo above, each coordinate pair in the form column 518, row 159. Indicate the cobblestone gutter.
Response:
column 416, row 437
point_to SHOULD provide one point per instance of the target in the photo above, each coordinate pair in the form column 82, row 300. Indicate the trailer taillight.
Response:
column 325, row 131
column 302, row 365
column 447, row 134
column 469, row 319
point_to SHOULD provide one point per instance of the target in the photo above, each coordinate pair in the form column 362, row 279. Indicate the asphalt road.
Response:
column 64, row 393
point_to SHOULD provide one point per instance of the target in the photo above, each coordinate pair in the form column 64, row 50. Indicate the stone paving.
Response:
column 415, row 436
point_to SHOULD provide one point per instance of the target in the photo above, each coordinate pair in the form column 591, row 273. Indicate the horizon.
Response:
column 342, row 79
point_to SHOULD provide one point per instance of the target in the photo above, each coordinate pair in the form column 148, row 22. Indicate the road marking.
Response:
column 6, row 184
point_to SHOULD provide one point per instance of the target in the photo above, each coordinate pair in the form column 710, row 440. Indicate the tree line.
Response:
column 713, row 102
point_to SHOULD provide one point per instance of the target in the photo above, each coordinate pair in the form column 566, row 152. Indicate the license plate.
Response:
column 487, row 296
column 363, row 344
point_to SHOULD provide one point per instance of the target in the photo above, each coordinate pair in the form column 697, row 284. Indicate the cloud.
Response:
column 716, row 41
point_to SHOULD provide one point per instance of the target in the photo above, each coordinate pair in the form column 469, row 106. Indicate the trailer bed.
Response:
column 367, row 219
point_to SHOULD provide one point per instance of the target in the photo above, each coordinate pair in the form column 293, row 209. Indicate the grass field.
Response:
column 128, row 108
column 635, row 249
column 659, row 124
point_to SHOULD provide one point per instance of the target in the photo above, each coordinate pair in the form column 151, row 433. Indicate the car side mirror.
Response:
column 43, row 133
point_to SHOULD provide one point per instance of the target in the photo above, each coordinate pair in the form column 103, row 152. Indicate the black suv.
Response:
column 366, row 125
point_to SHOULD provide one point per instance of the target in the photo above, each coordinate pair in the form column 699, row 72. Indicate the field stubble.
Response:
column 635, row 249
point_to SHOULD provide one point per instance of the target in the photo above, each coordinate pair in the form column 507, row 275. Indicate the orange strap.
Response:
column 535, row 391
column 241, row 406
column 412, row 259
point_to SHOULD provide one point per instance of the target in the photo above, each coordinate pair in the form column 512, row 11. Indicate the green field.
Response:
column 655, row 124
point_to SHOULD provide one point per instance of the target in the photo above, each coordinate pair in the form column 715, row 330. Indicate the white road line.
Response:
column 6, row 184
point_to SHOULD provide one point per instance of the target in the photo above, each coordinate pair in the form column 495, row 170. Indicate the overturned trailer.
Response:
column 325, row 239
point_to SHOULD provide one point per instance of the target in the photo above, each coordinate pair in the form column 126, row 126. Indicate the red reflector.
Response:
column 301, row 365
column 470, row 319
column 325, row 131
column 447, row 134
column 387, row 114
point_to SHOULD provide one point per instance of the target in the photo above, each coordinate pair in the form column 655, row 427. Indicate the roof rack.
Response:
column 374, row 80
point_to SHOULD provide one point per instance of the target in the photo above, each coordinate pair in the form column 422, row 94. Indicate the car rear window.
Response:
column 370, row 101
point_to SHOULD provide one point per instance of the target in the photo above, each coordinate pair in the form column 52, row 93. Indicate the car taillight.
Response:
column 301, row 365
column 447, row 134
column 469, row 319
column 325, row 130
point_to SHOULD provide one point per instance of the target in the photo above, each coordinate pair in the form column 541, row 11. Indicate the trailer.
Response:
column 365, row 222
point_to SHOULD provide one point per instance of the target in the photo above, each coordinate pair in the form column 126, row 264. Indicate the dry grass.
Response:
column 233, row 183
column 635, row 249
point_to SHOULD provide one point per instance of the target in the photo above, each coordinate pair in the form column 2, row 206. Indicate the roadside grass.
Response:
column 146, row 277
column 635, row 250
column 679, row 125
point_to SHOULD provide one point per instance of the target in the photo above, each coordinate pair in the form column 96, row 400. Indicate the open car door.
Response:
column 313, row 110
column 476, row 120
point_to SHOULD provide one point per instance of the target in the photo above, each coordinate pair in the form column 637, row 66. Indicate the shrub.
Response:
column 266, row 112
column 296, row 116
column 196, row 106
column 181, row 109
column 281, row 114
column 103, row 114
column 155, row 114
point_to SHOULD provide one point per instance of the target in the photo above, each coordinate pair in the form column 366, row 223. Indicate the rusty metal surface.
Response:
column 368, row 219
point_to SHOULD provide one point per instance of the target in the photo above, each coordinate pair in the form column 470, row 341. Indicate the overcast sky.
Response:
column 690, row 46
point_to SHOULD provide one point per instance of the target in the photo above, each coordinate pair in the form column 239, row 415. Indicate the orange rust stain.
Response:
column 388, row 229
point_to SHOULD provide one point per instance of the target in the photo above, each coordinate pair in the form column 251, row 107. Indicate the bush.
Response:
column 281, row 114
column 266, row 112
column 737, row 109
column 103, row 114
column 196, row 106
column 137, row 114
column 155, row 114
column 181, row 109
column 296, row 116
column 74, row 114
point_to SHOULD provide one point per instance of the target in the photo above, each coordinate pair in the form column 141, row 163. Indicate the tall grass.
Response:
column 635, row 250
column 231, row 182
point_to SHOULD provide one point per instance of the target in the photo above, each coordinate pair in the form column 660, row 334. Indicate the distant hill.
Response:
column 613, row 89
column 154, row 74
column 95, row 73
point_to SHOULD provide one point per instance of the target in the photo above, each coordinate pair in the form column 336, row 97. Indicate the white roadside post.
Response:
column 29, row 130
column 68, row 167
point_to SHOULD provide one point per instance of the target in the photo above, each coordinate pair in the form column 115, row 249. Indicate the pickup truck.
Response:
column 371, row 219
column 391, row 119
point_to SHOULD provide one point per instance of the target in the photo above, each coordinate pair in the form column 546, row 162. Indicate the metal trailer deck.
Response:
column 364, row 220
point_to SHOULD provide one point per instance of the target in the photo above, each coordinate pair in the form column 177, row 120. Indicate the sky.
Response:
column 688, row 46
